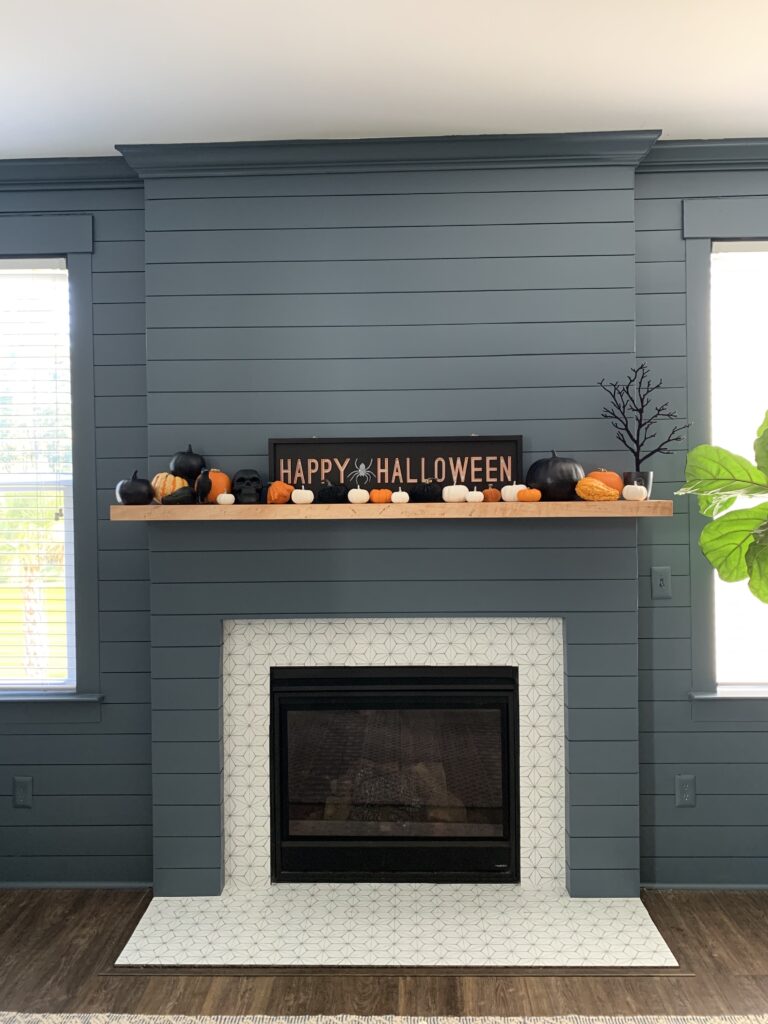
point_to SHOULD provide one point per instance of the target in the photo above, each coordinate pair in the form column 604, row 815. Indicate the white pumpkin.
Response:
column 302, row 496
column 474, row 495
column 511, row 491
column 455, row 492
column 634, row 492
column 225, row 499
column 400, row 497
column 359, row 496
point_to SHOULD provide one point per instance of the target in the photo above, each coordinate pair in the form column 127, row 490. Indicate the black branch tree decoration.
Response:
column 641, row 423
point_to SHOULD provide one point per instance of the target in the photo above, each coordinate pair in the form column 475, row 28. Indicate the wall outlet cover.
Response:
column 685, row 791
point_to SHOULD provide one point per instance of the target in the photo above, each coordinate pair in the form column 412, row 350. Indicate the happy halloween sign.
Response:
column 396, row 461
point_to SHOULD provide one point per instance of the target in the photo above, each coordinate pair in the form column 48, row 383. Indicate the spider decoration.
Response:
column 362, row 474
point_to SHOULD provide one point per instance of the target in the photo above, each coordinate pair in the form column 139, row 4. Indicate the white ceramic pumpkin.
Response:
column 634, row 492
column 302, row 496
column 511, row 491
column 359, row 496
column 400, row 497
column 474, row 495
column 455, row 492
column 225, row 499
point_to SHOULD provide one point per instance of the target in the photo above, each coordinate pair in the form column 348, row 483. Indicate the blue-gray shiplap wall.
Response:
column 723, row 840
column 92, row 816
column 442, row 300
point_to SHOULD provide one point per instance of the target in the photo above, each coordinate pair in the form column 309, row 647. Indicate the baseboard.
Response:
column 706, row 887
column 75, row 885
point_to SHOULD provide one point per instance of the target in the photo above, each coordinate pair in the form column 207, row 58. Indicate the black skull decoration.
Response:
column 246, row 487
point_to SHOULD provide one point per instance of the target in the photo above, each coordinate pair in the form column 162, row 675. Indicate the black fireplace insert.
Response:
column 394, row 774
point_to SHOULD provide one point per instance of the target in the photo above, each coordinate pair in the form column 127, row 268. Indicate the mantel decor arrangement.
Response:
column 383, row 478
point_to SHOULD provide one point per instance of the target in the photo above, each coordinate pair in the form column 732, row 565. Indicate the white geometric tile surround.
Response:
column 534, row 924
column 251, row 648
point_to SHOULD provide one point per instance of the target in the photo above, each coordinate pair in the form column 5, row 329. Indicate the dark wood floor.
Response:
column 57, row 949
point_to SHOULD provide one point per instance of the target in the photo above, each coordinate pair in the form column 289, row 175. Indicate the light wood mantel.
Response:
column 413, row 510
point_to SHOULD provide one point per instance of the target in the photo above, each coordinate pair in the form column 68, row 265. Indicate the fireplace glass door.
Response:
column 394, row 773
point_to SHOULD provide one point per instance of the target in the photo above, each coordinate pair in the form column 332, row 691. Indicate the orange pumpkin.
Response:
column 592, row 489
column 164, row 484
column 220, row 484
column 609, row 478
column 529, row 494
column 491, row 494
column 381, row 496
column 279, row 493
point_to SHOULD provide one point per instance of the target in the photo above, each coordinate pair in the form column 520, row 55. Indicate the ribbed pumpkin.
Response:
column 529, row 494
column 279, row 493
column 164, row 484
column 491, row 494
column 381, row 496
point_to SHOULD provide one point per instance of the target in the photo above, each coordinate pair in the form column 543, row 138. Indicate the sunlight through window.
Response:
column 739, row 365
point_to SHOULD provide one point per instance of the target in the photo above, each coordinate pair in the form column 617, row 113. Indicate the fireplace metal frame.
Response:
column 412, row 859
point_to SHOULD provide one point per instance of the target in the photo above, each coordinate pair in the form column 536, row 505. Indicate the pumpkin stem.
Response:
column 135, row 474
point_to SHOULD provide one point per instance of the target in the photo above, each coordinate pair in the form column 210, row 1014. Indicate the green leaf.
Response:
column 761, row 445
column 716, row 471
column 757, row 566
column 714, row 504
column 726, row 541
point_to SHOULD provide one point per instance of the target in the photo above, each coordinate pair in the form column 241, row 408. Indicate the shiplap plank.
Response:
column 425, row 210
column 373, row 309
column 486, row 240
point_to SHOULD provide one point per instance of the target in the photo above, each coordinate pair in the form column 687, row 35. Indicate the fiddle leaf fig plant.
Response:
column 735, row 543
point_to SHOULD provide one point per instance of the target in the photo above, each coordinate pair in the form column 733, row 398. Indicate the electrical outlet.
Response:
column 685, row 791
column 661, row 583
column 22, row 790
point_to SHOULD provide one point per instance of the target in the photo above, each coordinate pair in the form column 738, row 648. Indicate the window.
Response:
column 37, row 614
column 739, row 370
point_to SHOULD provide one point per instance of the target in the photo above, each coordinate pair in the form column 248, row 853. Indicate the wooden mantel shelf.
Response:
column 412, row 510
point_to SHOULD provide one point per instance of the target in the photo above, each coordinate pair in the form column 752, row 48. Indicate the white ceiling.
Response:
column 77, row 76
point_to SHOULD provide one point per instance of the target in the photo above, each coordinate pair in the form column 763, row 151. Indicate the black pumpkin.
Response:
column 427, row 490
column 135, row 491
column 184, row 496
column 332, row 494
column 187, row 464
column 555, row 477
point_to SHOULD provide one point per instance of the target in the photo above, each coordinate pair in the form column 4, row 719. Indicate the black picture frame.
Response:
column 368, row 450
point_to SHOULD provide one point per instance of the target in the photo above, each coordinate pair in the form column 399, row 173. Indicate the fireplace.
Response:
column 394, row 774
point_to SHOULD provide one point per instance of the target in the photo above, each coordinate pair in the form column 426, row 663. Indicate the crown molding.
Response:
column 67, row 172
column 432, row 152
column 706, row 155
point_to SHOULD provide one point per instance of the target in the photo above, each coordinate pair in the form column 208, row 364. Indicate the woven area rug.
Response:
column 131, row 1018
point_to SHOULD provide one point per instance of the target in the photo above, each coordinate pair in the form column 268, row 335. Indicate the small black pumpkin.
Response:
column 427, row 490
column 187, row 464
column 184, row 496
column 135, row 491
column 332, row 494
column 555, row 477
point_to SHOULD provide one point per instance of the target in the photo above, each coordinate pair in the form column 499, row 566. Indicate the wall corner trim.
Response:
column 577, row 149
column 66, row 172
column 706, row 155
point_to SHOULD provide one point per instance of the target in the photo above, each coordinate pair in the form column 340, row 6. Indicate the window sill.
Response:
column 742, row 704
column 33, row 708
column 48, row 697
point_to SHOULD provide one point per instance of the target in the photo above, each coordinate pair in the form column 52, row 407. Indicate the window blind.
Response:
column 37, row 597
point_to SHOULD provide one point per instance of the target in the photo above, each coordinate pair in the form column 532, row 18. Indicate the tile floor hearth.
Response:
column 535, row 924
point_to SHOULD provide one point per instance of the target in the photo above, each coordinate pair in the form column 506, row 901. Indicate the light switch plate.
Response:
column 661, row 583
column 22, row 790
